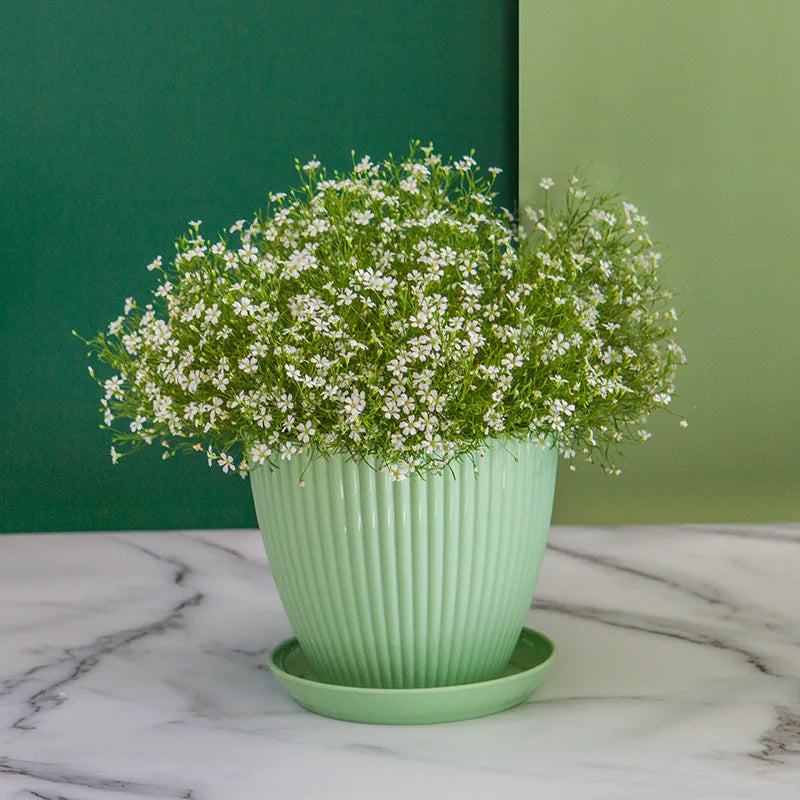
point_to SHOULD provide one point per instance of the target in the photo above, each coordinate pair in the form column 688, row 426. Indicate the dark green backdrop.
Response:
column 121, row 121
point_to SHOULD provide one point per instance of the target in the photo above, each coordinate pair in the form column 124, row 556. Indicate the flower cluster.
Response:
column 395, row 314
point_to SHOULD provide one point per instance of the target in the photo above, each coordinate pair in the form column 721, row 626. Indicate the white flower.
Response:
column 248, row 364
column 212, row 314
column 355, row 404
column 662, row 398
column 417, row 170
column 262, row 418
column 113, row 387
column 511, row 360
column 154, row 265
column 310, row 166
column 259, row 349
column 260, row 453
column 137, row 423
column 495, row 170
column 248, row 253
column 559, row 345
column 243, row 306
column 558, row 410
column 547, row 183
column 114, row 455
column 363, row 217
column 164, row 289
column 287, row 451
column 643, row 435
column 684, row 423
column 305, row 430
column 226, row 462
column 284, row 402
column 409, row 185
column 431, row 159
column 464, row 163
column 408, row 426
column 398, row 472
column 221, row 381
column 494, row 420
column 346, row 297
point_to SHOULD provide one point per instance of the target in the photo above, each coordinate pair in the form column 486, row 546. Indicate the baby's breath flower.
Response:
column 114, row 327
column 398, row 472
column 397, row 314
column 248, row 364
column 260, row 452
column 243, row 306
column 363, row 217
column 288, row 450
column 305, row 430
column 363, row 165
column 113, row 387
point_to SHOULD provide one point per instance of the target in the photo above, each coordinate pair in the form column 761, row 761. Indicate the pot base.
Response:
column 527, row 668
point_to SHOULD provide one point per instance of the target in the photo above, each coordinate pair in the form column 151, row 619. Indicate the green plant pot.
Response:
column 410, row 584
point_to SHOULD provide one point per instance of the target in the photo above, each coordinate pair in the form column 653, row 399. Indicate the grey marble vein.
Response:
column 82, row 659
column 40, row 796
column 217, row 546
column 57, row 773
column 783, row 739
column 658, row 627
column 182, row 569
column 710, row 596
column 768, row 533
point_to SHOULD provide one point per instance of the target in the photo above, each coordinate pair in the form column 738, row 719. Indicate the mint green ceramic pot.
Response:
column 409, row 584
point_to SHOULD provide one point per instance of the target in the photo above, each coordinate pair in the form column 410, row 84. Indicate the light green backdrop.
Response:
column 692, row 110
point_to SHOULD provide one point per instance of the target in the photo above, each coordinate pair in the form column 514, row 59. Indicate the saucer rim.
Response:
column 282, row 650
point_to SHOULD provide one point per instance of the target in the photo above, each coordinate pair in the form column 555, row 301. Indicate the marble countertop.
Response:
column 134, row 665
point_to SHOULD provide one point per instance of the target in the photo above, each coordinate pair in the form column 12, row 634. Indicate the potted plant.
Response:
column 397, row 365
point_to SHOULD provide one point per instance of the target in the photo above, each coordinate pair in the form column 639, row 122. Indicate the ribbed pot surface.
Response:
column 413, row 583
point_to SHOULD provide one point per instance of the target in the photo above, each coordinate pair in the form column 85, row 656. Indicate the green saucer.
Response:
column 527, row 668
